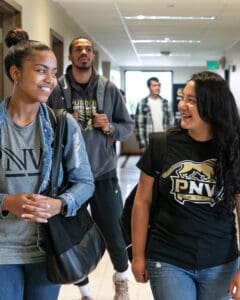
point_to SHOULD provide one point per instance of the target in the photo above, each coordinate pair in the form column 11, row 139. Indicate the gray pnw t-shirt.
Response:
column 20, row 165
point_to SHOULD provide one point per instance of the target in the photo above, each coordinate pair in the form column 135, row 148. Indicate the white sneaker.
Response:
column 121, row 289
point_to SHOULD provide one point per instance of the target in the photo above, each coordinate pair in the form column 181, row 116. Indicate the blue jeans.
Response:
column 169, row 282
column 26, row 282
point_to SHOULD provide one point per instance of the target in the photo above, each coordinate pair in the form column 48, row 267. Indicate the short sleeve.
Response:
column 145, row 162
column 152, row 160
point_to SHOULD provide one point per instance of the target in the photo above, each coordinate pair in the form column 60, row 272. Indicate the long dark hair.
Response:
column 217, row 106
column 20, row 48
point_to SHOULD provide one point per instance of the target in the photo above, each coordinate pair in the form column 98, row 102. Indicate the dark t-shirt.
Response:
column 187, row 230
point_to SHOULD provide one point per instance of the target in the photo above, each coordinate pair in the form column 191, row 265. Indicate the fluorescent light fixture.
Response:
column 166, row 41
column 187, row 18
column 159, row 54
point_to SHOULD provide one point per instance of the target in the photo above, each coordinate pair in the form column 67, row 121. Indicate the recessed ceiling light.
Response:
column 159, row 54
column 191, row 18
column 166, row 41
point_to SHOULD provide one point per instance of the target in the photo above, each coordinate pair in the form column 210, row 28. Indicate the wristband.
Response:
column 64, row 208
column 109, row 130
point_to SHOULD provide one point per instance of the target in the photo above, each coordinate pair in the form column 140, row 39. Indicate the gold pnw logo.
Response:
column 193, row 181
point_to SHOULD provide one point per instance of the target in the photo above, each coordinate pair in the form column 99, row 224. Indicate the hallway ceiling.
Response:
column 124, row 41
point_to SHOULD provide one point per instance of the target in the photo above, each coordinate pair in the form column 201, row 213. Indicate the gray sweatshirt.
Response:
column 101, row 153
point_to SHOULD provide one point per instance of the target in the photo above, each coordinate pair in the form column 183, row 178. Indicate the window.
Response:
column 136, row 87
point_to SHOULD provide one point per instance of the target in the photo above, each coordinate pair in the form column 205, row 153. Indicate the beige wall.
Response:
column 39, row 16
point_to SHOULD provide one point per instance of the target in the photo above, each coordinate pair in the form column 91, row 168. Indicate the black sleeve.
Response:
column 145, row 162
column 153, row 157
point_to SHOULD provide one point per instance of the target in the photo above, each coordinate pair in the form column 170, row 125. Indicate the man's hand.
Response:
column 101, row 121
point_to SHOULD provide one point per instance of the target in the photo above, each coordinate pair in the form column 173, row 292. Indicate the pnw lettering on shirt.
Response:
column 193, row 181
column 22, row 162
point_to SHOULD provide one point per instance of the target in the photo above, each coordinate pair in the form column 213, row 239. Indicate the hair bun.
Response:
column 15, row 36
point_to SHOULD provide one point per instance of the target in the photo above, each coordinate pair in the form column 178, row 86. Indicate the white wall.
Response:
column 183, row 74
column 233, row 59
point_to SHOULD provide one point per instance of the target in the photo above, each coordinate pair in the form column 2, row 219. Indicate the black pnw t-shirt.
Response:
column 187, row 230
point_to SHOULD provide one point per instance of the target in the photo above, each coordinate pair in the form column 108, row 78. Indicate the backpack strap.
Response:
column 159, row 148
column 159, row 152
column 52, row 117
column 65, row 88
column 58, row 121
column 101, row 89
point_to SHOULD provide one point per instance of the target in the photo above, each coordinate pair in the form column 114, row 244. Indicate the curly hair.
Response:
column 217, row 106
column 15, row 36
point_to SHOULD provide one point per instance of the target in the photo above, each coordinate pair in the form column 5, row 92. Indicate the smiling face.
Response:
column 190, row 118
column 82, row 54
column 37, row 77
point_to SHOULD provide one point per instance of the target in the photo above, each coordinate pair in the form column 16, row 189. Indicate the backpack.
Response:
column 66, row 91
column 158, row 140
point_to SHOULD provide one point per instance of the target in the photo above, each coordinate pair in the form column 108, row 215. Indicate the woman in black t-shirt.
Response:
column 192, row 245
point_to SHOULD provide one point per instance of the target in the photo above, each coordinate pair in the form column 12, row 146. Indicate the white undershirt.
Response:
column 157, row 114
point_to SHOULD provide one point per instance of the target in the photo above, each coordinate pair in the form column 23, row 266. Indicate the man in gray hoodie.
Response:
column 97, row 106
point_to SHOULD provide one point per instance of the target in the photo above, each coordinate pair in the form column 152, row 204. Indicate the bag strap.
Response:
column 159, row 148
column 159, row 152
column 58, row 121
column 65, row 88
column 101, row 88
column 66, row 91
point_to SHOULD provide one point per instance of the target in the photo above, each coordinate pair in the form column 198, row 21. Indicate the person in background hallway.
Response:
column 192, row 249
column 26, row 138
column 100, row 125
column 153, row 113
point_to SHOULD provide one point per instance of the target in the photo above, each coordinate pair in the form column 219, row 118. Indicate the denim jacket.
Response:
column 75, row 156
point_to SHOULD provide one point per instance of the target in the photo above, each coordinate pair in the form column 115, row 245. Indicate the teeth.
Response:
column 46, row 89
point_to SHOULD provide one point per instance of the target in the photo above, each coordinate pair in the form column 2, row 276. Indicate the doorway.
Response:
column 56, row 43
column 10, row 16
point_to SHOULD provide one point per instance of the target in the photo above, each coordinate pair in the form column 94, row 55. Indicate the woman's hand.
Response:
column 139, row 269
column 32, row 207
column 234, row 287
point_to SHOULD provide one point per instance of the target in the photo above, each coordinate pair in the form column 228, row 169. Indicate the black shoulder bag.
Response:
column 74, row 245
column 159, row 146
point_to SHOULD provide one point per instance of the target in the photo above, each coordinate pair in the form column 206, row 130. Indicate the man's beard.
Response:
column 83, row 68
